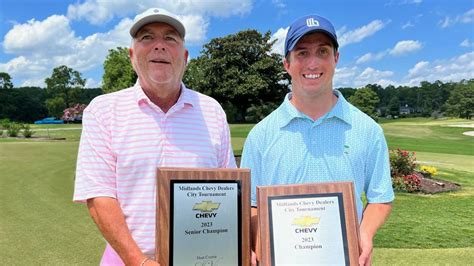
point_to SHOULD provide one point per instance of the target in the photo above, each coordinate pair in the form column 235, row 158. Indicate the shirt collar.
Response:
column 185, row 98
column 340, row 110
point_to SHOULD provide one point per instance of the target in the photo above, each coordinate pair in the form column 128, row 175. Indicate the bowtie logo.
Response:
column 306, row 221
column 206, row 206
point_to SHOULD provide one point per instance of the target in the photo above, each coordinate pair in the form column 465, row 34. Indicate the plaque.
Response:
column 308, row 224
column 203, row 216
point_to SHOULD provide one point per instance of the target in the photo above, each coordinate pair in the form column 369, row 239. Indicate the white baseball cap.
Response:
column 157, row 15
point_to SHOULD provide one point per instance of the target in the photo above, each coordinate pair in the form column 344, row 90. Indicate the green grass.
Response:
column 429, row 138
column 39, row 224
column 432, row 221
column 448, row 256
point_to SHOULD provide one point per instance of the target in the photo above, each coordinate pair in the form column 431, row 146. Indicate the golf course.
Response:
column 40, row 225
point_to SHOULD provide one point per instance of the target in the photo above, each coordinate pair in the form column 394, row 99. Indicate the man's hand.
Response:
column 366, row 246
column 108, row 215
column 253, row 259
column 373, row 217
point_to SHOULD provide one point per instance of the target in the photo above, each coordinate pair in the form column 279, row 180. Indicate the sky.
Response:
column 385, row 42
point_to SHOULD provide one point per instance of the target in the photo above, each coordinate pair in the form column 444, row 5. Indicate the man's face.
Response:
column 158, row 55
column 311, row 65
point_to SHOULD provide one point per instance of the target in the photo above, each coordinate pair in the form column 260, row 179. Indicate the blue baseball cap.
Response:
column 308, row 24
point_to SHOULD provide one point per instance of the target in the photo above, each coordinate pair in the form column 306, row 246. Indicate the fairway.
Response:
column 39, row 218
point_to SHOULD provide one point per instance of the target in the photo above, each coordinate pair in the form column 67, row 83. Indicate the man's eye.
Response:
column 146, row 37
column 170, row 38
column 303, row 53
column 323, row 51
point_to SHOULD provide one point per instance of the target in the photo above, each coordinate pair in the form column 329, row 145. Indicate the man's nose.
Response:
column 159, row 45
column 313, row 61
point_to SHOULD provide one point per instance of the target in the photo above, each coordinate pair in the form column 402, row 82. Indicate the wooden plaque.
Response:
column 203, row 216
column 308, row 224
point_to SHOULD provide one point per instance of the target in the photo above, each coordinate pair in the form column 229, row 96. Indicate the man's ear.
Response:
column 130, row 55
column 336, row 57
column 186, row 54
column 286, row 64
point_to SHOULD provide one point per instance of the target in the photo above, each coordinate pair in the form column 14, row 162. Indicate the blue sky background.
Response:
column 397, row 42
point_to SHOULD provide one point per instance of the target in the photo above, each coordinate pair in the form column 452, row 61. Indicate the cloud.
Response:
column 466, row 18
column 404, row 47
column 359, row 34
column 411, row 23
column 196, row 28
column 91, row 83
column 371, row 57
column 400, row 49
column 97, row 12
column 454, row 69
column 344, row 77
column 21, row 67
column 355, row 78
column 51, row 35
column 467, row 43
column 44, row 45
column 410, row 2
column 279, row 45
column 279, row 3
column 371, row 76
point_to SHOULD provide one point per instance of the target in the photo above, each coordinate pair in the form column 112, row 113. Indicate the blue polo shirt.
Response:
column 288, row 147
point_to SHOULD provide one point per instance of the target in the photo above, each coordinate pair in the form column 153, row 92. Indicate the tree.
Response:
column 240, row 72
column 5, row 81
column 74, row 113
column 118, row 71
column 393, row 106
column 461, row 100
column 25, row 104
column 366, row 100
column 64, row 89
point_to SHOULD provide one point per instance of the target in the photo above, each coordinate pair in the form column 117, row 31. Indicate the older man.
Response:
column 128, row 134
column 317, row 136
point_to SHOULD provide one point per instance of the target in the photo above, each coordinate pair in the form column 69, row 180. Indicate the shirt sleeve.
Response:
column 95, row 170
column 378, row 188
column 251, row 158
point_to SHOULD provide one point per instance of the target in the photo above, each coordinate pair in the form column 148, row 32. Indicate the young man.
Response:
column 317, row 136
column 128, row 134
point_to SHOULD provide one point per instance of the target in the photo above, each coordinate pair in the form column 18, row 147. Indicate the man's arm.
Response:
column 110, row 220
column 255, row 237
column 374, row 216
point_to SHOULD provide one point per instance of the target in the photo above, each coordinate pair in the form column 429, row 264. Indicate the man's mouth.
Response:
column 312, row 76
column 159, row 61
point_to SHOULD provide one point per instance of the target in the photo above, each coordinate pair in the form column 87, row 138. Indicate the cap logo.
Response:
column 311, row 22
column 156, row 10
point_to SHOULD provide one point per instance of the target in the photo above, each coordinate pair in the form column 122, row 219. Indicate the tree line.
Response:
column 240, row 72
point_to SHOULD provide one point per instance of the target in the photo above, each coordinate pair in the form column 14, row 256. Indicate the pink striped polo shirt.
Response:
column 125, row 137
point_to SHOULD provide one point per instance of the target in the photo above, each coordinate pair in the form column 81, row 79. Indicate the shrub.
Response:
column 402, row 170
column 398, row 183
column 13, row 129
column 412, row 182
column 402, row 162
column 27, row 132
column 5, row 123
